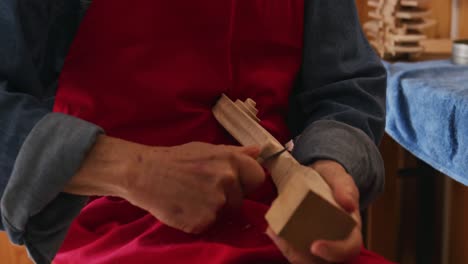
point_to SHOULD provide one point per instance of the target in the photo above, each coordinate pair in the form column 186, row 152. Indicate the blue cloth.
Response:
column 427, row 113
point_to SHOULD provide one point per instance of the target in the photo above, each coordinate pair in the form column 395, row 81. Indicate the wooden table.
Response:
column 457, row 224
column 10, row 254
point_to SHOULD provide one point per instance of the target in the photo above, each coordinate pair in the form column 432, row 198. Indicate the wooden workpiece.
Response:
column 397, row 26
column 305, row 209
column 415, row 3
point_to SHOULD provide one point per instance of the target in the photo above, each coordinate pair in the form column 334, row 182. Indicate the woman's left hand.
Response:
column 347, row 195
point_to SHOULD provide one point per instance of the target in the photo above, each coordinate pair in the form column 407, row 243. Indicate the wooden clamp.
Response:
column 305, row 209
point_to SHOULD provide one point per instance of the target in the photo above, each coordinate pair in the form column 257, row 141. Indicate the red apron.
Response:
column 149, row 71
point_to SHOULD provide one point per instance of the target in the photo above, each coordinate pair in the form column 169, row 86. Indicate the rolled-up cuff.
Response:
column 35, row 212
column 349, row 146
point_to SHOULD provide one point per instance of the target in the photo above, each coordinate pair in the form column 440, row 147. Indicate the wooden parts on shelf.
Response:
column 397, row 26
column 305, row 209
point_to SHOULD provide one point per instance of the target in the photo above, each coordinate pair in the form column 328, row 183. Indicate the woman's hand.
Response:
column 183, row 186
column 347, row 195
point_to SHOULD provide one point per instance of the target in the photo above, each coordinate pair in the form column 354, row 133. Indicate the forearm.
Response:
column 338, row 108
column 34, row 210
column 108, row 168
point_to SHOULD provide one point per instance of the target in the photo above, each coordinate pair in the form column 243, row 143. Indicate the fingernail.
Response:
column 351, row 204
column 315, row 249
column 320, row 250
column 351, row 207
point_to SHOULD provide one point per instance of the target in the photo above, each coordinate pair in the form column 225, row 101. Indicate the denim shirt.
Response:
column 337, row 112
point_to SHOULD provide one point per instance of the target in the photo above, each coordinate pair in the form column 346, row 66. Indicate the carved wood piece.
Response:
column 305, row 209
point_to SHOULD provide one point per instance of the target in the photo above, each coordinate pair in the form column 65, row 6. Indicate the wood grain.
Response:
column 305, row 209
column 10, row 254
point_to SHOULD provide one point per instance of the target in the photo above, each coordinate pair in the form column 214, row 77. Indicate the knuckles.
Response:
column 218, row 202
column 212, row 181
column 228, row 177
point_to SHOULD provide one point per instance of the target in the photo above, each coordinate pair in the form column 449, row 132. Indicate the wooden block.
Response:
column 415, row 3
column 305, row 212
column 398, row 31
column 419, row 24
column 372, row 26
column 305, row 209
column 404, row 49
column 407, row 38
column 412, row 14
column 371, row 34
column 375, row 4
column 374, row 15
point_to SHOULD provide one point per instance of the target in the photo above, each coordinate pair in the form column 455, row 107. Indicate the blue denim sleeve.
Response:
column 39, row 150
column 338, row 106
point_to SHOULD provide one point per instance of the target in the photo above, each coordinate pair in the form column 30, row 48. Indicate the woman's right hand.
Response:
column 183, row 186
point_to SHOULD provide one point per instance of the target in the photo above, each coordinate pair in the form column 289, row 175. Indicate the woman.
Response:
column 148, row 73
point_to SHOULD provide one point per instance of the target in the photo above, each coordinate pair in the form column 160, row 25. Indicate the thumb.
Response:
column 250, row 172
column 345, row 194
column 251, row 151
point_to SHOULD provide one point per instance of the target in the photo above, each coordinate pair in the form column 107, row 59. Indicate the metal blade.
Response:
column 273, row 156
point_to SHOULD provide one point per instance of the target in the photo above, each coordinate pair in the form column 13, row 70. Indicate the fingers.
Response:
column 234, row 193
column 248, row 175
column 342, row 184
column 196, row 226
column 345, row 192
column 251, row 174
column 294, row 256
column 338, row 251
column 251, row 151
column 346, row 195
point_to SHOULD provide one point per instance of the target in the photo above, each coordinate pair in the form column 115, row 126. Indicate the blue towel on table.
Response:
column 427, row 113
